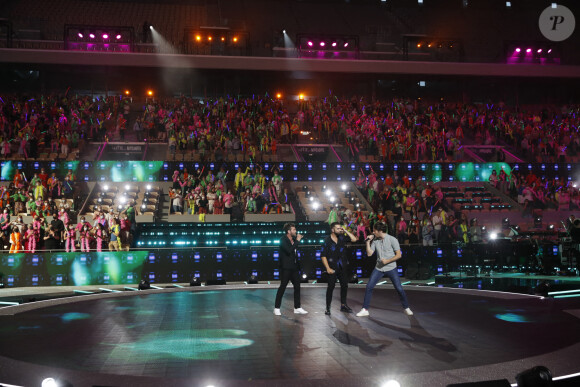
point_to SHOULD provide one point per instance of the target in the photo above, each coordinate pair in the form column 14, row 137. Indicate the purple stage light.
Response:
column 118, row 36
column 528, row 50
column 539, row 51
column 105, row 36
column 310, row 43
column 92, row 36
column 333, row 44
column 549, row 51
column 80, row 35
column 518, row 49
column 346, row 44
column 322, row 44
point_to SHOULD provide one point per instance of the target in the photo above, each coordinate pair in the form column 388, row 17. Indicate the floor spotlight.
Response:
column 195, row 282
column 304, row 279
column 505, row 223
column 253, row 280
column 144, row 285
column 538, row 376
column 353, row 279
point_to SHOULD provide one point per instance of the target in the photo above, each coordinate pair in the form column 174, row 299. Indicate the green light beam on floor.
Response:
column 568, row 296
column 564, row 292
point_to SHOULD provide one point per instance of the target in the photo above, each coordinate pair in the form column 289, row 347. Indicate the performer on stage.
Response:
column 334, row 260
column 388, row 252
column 289, row 268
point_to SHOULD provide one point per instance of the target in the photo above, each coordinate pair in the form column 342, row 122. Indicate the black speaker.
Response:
column 488, row 383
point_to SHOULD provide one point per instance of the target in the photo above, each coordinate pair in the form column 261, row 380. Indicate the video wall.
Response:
column 237, row 265
column 142, row 171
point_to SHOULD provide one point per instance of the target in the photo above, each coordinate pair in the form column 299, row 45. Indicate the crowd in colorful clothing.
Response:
column 38, row 213
column 254, row 191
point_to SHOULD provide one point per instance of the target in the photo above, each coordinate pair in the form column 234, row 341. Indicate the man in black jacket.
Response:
column 334, row 259
column 289, row 268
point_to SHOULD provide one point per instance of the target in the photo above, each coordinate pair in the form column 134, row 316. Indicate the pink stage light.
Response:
column 529, row 50
column 105, row 36
column 322, row 44
column 118, row 36
column 80, row 35
column 333, row 44
column 91, row 35
column 346, row 44
column 539, row 51
column 549, row 51
column 518, row 49
column 310, row 43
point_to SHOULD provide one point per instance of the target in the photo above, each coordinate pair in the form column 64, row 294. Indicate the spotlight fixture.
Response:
column 150, row 93
column 537, row 376
column 195, row 282
column 333, row 44
column 345, row 44
column 80, row 35
column 493, row 236
column 127, row 92
column 539, row 51
column 120, row 207
column 284, row 32
column 322, row 44
column 106, row 188
column 304, row 278
column 310, row 44
column 144, row 285
column 235, row 39
column 148, row 187
column 528, row 50
column 304, row 188
column 105, row 36
column 518, row 49
column 253, row 280
column 344, row 187
column 91, row 35
column 49, row 382
column 118, row 37
column 127, row 187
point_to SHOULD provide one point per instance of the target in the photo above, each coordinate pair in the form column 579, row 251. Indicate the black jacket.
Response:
column 288, row 254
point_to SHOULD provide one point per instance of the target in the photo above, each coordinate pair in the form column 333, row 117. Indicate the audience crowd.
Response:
column 39, row 213
column 394, row 129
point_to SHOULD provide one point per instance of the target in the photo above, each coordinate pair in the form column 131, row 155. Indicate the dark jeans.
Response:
column 341, row 274
column 375, row 277
column 285, row 277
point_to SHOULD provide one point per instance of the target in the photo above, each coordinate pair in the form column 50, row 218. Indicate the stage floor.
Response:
column 228, row 336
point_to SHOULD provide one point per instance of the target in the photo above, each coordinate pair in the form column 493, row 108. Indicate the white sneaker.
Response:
column 363, row 313
column 277, row 312
column 408, row 312
column 300, row 311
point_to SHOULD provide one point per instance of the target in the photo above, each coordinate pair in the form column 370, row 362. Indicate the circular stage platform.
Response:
column 228, row 336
